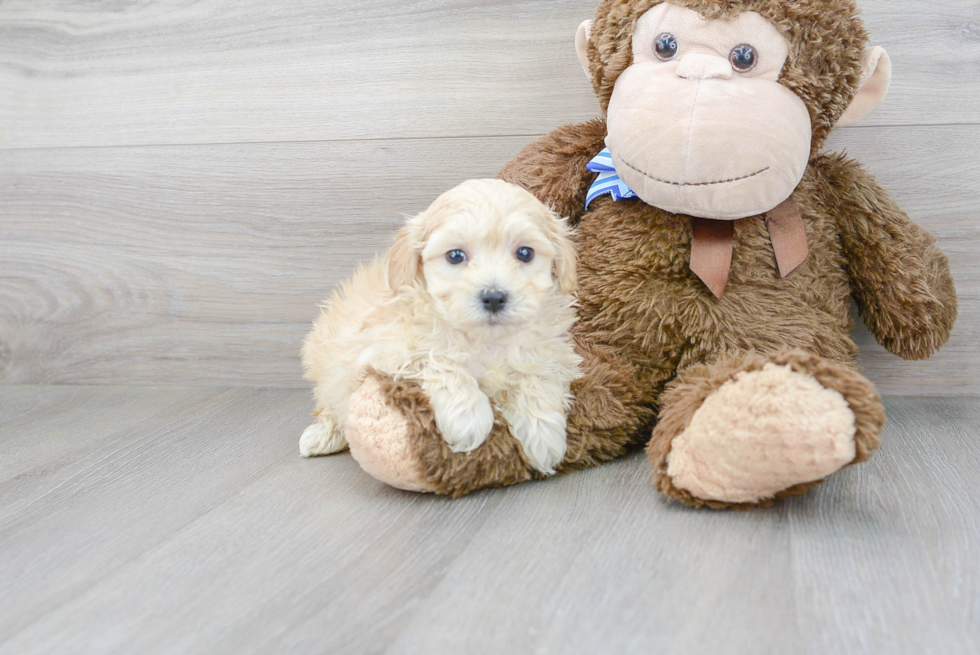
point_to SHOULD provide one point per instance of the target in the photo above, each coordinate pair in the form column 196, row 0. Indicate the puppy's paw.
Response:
column 543, row 440
column 321, row 438
column 464, row 419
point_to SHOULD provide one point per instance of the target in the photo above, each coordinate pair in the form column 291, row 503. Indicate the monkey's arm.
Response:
column 553, row 167
column 899, row 277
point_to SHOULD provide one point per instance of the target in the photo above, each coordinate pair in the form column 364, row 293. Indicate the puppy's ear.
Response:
column 403, row 262
column 565, row 256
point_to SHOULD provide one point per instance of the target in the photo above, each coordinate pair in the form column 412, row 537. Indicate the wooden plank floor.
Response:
column 181, row 520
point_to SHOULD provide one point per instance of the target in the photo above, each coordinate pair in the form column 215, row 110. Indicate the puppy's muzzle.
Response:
column 494, row 300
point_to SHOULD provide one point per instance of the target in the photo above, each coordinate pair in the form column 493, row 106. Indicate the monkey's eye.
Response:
column 743, row 58
column 666, row 47
column 456, row 257
column 525, row 254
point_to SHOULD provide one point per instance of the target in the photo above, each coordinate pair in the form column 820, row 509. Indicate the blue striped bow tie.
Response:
column 608, row 180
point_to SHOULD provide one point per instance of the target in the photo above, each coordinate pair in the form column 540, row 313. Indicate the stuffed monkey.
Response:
column 719, row 248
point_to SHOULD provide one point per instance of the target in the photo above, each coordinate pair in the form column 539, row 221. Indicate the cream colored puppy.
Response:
column 473, row 301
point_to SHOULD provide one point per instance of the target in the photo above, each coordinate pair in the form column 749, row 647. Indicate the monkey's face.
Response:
column 699, row 124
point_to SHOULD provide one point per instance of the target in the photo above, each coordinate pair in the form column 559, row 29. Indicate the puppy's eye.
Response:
column 666, row 46
column 525, row 254
column 456, row 256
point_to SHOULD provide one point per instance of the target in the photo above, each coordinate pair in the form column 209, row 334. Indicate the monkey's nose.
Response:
column 704, row 67
column 493, row 300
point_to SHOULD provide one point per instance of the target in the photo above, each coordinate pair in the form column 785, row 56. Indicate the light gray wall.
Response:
column 182, row 182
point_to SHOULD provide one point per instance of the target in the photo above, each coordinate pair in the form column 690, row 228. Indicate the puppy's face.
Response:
column 489, row 273
column 490, row 253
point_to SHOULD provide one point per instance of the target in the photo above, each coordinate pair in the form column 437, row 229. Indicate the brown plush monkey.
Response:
column 718, row 254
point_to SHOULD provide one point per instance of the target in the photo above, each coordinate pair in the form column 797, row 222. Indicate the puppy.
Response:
column 474, row 302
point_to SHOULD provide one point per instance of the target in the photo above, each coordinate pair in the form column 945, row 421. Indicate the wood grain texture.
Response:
column 204, row 264
column 75, row 73
column 201, row 530
column 151, row 472
column 896, row 545
column 42, row 445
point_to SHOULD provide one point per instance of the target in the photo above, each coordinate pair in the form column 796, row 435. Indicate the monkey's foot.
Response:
column 392, row 434
column 746, row 430
column 381, row 436
column 392, row 431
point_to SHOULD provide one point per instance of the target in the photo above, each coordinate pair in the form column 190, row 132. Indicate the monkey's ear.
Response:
column 403, row 261
column 875, row 78
column 582, row 45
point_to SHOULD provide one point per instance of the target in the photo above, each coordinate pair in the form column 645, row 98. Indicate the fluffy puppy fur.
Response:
column 454, row 306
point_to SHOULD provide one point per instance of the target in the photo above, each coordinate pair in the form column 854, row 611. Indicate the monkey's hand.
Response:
column 899, row 277
column 553, row 167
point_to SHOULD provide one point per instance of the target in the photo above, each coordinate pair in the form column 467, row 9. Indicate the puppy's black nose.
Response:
column 493, row 300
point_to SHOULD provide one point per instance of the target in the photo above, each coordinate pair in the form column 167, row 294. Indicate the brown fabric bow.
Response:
column 712, row 241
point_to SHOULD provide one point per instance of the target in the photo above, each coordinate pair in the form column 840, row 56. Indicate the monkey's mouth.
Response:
column 663, row 181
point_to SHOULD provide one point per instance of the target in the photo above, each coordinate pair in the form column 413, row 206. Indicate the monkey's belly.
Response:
column 638, row 294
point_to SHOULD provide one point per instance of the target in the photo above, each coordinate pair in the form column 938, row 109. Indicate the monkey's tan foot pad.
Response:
column 380, row 438
column 393, row 436
column 770, row 431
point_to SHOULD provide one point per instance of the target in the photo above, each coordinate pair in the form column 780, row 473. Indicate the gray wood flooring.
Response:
column 182, row 520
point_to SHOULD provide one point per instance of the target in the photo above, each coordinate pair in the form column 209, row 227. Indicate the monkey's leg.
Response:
column 748, row 429
column 393, row 436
